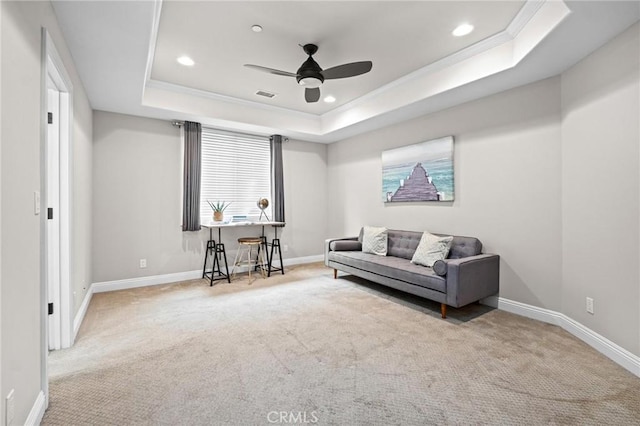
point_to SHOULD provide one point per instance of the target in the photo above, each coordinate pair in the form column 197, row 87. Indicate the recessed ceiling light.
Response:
column 462, row 30
column 256, row 28
column 186, row 61
column 329, row 99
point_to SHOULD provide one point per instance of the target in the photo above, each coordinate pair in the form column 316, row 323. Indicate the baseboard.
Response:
column 77, row 321
column 616, row 353
column 302, row 260
column 603, row 345
column 125, row 284
column 530, row 311
column 37, row 411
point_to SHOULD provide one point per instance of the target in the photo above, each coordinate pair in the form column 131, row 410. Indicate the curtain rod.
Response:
column 179, row 123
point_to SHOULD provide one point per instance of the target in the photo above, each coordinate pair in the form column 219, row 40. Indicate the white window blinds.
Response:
column 236, row 169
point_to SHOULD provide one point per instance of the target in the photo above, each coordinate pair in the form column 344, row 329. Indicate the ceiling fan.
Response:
column 311, row 76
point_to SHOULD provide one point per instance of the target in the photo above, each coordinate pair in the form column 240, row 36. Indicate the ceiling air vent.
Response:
column 265, row 94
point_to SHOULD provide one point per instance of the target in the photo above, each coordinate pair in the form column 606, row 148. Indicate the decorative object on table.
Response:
column 218, row 210
column 419, row 172
column 263, row 203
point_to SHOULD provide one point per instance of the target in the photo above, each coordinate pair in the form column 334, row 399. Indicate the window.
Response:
column 236, row 168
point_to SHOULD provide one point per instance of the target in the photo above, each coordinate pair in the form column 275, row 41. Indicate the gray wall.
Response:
column 21, row 310
column 305, row 176
column 137, row 201
column 547, row 176
column 601, row 186
column 82, row 214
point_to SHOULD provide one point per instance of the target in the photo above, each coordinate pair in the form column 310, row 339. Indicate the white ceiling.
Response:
column 126, row 54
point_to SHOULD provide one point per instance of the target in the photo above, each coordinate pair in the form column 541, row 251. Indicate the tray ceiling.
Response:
column 125, row 53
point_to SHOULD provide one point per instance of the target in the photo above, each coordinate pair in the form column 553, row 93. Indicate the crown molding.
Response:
column 184, row 90
column 153, row 40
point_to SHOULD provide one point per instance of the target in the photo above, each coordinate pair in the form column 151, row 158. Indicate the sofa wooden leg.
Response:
column 335, row 274
column 443, row 310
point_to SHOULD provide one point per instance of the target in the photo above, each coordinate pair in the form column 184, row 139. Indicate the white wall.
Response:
column 507, row 184
column 601, row 186
column 137, row 201
column 21, row 311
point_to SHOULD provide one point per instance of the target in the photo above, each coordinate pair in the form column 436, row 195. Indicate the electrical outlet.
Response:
column 589, row 305
column 143, row 263
column 11, row 409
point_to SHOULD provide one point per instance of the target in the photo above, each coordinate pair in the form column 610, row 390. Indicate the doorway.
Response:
column 56, row 202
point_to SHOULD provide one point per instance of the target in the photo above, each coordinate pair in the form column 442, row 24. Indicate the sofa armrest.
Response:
column 327, row 246
column 472, row 278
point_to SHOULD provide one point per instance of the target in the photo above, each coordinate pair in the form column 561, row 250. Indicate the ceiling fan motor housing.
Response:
column 310, row 73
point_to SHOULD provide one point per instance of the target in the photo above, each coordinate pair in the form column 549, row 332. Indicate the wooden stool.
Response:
column 247, row 245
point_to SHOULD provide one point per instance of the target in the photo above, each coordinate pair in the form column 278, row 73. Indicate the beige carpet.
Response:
column 310, row 348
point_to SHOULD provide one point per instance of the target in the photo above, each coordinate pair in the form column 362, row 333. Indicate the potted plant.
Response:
column 218, row 209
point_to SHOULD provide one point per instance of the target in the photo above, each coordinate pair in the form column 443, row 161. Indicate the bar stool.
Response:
column 217, row 253
column 247, row 245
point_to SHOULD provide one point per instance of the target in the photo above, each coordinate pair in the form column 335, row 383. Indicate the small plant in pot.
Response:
column 218, row 209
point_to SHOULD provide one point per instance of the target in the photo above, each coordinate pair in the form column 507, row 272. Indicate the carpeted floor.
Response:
column 305, row 348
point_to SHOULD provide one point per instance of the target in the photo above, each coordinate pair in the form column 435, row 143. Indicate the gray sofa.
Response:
column 466, row 276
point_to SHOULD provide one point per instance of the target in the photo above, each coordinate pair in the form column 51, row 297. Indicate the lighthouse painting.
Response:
column 420, row 172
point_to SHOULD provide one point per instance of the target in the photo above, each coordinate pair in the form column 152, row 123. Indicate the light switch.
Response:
column 36, row 202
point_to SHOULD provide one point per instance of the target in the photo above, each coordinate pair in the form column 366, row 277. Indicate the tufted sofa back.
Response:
column 404, row 243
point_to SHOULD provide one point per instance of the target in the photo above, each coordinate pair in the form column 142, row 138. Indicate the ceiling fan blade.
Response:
column 312, row 95
column 271, row 70
column 347, row 70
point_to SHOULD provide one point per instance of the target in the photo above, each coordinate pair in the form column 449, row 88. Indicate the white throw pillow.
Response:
column 431, row 249
column 374, row 240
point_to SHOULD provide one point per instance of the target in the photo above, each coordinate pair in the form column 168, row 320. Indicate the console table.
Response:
column 217, row 249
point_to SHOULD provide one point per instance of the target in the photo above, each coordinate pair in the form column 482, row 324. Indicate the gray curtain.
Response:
column 192, row 172
column 277, row 181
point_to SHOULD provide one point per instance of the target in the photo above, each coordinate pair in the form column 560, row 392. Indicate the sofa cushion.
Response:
column 464, row 247
column 345, row 245
column 391, row 267
column 374, row 240
column 431, row 249
column 440, row 267
column 403, row 243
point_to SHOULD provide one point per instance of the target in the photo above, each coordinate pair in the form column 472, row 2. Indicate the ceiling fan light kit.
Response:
column 311, row 76
column 310, row 82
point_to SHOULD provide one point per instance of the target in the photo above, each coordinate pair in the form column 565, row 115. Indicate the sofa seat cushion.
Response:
column 391, row 267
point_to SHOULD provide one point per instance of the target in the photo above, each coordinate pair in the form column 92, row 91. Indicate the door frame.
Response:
column 53, row 67
column 52, row 191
